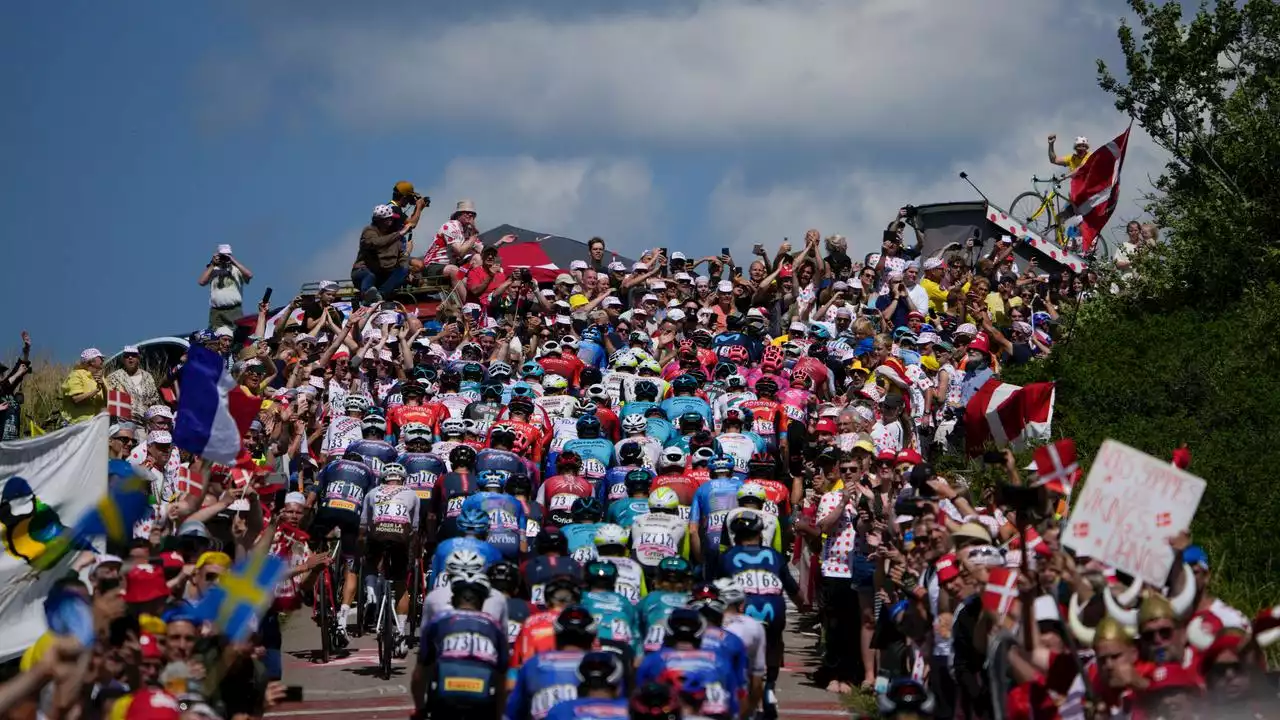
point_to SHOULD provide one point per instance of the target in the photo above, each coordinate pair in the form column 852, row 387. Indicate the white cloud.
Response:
column 708, row 71
column 859, row 201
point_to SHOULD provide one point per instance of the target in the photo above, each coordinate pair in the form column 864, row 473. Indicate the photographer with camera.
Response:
column 226, row 278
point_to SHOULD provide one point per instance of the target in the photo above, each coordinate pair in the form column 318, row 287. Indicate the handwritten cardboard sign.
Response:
column 1130, row 506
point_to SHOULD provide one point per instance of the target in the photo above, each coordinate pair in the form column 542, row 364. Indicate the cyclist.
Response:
column 624, row 511
column 452, row 432
column 373, row 447
column 390, row 523
column 1073, row 162
column 451, row 492
column 339, row 500
column 462, row 656
column 550, row 678
column 601, row 690
column 635, row 429
column 748, row 671
column 550, row 561
column 485, row 410
column 630, row 458
column 344, row 430
column 684, row 400
column 673, row 474
column 654, row 701
column 701, row 670
column 581, row 533
column 611, row 547
column 451, row 394
column 424, row 469
column 462, row 562
column 767, row 417
column 609, row 425
column 501, row 455
column 660, row 533
column 752, row 634
column 644, row 398
column 506, row 517
column 669, row 591
column 735, row 393
column 559, row 492
column 504, row 577
column 616, row 619
column 530, row 435
column 539, row 632
column 590, row 445
column 519, row 488
column 473, row 524
column 556, row 401
column 713, row 500
column 414, row 410
column 737, row 443
column 762, row 471
column 751, row 499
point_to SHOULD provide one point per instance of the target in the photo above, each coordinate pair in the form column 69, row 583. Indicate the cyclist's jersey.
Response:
column 684, row 486
column 771, row 532
column 741, row 446
column 752, row 634
column 651, row 448
column 661, row 430
column 557, row 406
column 532, row 517
column 376, row 453
column 566, row 366
column 557, row 495
column 655, row 536
column 423, row 471
column 767, row 419
column 466, row 542
column 616, row 618
column 450, row 493
column 636, row 407
column 484, row 413
column 428, row 415
column 610, row 429
column 624, row 512
column 444, row 448
column 711, row 503
column 614, row 486
column 796, row 403
column 531, row 436
column 469, row 651
column 506, row 521
column 503, row 462
column 598, row 449
column 343, row 431
column 765, row 579
column 582, row 541
column 440, row 601
column 456, row 403
column 543, row 682
column 591, row 709
column 683, row 442
column 540, row 570
column 518, row 610
column 654, row 610
column 729, row 647
column 777, row 498
column 391, row 513
column 682, row 404
column 729, row 400
column 630, row 584
column 702, row 666
column 343, row 485
column 439, row 412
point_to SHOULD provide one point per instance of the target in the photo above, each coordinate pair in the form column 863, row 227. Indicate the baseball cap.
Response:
column 612, row 301
column 122, row 428
column 657, row 285
column 578, row 265
column 827, row 425
column 724, row 286
column 677, row 255
column 144, row 583
column 675, row 315
column 649, row 297
column 159, row 437
column 683, row 277
column 616, row 266
column 946, row 567
column 564, row 278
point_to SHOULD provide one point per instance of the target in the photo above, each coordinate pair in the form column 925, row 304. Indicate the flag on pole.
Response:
column 1095, row 188
column 245, row 592
column 1056, row 466
column 213, row 411
column 1008, row 414
column 1001, row 590
column 119, row 405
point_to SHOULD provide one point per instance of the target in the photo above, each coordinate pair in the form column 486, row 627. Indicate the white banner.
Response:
column 48, row 483
column 1130, row 506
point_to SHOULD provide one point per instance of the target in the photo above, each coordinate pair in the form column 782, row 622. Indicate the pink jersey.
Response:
column 796, row 403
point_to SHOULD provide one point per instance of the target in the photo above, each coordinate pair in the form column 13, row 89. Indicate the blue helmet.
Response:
column 531, row 369
column 473, row 520
column 685, row 383
column 493, row 480
column 587, row 508
column 722, row 464
column 588, row 426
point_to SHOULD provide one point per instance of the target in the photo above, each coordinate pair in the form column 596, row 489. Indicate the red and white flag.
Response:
column 188, row 481
column 1007, row 414
column 1056, row 466
column 1001, row 590
column 1095, row 188
column 119, row 405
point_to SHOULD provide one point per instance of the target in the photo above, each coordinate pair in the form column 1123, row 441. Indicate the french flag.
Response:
column 214, row 412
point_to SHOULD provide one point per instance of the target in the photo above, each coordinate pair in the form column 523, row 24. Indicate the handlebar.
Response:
column 1055, row 180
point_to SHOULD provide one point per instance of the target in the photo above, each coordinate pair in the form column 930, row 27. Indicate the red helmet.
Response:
column 773, row 359
column 734, row 354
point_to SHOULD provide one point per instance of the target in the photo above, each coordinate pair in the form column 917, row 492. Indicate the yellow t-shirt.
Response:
column 996, row 307
column 937, row 296
column 1073, row 162
column 81, row 381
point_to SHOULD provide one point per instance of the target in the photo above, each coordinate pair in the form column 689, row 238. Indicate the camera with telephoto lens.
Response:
column 426, row 199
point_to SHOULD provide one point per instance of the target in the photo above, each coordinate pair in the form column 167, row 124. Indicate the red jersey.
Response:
column 536, row 637
column 682, row 484
column 405, row 414
column 566, row 366
column 698, row 475
column 768, row 419
column 609, row 426
column 530, row 439
column 557, row 495
column 439, row 413
column 814, row 368
column 777, row 496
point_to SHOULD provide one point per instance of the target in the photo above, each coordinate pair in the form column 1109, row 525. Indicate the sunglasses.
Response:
column 1164, row 633
column 1222, row 669
column 849, row 468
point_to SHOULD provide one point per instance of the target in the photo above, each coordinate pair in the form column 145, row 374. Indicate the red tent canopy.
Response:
column 532, row 256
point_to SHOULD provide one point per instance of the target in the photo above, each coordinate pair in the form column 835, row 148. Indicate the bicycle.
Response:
column 326, row 592
column 415, row 586
column 385, row 631
column 1042, row 213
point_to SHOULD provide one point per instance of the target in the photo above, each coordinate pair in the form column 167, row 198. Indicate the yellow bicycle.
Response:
column 1042, row 213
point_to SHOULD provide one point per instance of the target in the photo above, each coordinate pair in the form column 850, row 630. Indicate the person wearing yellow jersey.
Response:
column 932, row 284
column 84, row 392
column 1073, row 161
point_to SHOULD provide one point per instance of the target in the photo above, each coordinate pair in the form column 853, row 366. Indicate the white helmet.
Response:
column 416, row 431
column 391, row 470
column 462, row 562
column 384, row 211
column 1082, row 140
column 453, row 426
column 471, row 427
column 634, row 423
column 555, row 382
column 610, row 534
column 730, row 591
column 736, row 381
column 664, row 498
column 598, row 392
column 752, row 490
column 672, row 457
column 626, row 360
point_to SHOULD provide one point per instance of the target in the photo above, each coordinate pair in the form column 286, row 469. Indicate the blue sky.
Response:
column 138, row 136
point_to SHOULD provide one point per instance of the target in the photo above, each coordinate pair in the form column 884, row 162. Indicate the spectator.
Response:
column 382, row 262
column 226, row 278
column 11, row 391
column 84, row 392
column 132, row 378
column 595, row 252
column 453, row 244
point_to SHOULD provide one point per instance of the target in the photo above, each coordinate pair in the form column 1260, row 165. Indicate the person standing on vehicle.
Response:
column 381, row 262
column 226, row 279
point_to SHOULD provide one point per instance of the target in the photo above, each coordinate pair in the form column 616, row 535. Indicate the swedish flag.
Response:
column 244, row 593
column 115, row 514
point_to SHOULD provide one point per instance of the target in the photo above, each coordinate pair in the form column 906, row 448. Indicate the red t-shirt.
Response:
column 478, row 276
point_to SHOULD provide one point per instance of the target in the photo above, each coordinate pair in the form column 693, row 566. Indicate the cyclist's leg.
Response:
column 375, row 552
column 397, row 572
column 773, row 653
column 349, row 547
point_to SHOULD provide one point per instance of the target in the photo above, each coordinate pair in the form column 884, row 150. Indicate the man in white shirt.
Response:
column 226, row 277
column 916, row 293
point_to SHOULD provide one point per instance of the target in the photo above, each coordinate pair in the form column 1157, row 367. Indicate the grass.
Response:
column 42, row 389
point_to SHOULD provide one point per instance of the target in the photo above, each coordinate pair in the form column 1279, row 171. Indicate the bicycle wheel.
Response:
column 324, row 609
column 1032, row 209
column 387, row 631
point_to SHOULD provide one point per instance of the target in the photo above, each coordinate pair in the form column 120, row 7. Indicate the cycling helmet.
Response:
column 626, row 361
column 356, row 403
column 702, row 456
column 502, row 434
column 462, row 456
column 630, row 453
column 600, row 572
column 590, row 375
column 701, row 337
column 568, row 342
column 505, row 576
column 654, row 701
column 450, row 377
column 819, row 331
column 471, row 427
column 374, row 421
column 818, row 351
column 518, row 484
column 761, row 463
column 575, row 621
column 531, row 369
column 470, row 582
column 722, row 465
column 740, row 416
column 730, row 591
column 350, row 454
column 473, row 371
column 752, row 491
column 684, row 383
column 550, row 347
column 562, row 583
column 655, row 411
column 453, row 428
column 600, row 670
column 748, row 523
column 588, row 427
column 499, row 369
column 415, row 431
column 520, row 404
column 692, row 420
column 599, row 392
column 724, row 370
column 473, row 520
column 685, row 625
column 672, row 457
column 638, row 481
column 393, row 470
column 385, row 211
column 638, row 336
column 772, row 359
column 650, row 365
column 735, row 354
column 686, row 348
column 586, row 509
column 698, row 375
column 736, row 382
column 766, row 384
column 792, row 350
column 569, row 459
column 580, row 406
column 664, row 499
column 610, row 534
column 472, row 352
column 491, row 391
column 674, row 568
column 646, row 390
column 554, row 383
column 463, row 561
column 550, row 540
column 493, row 480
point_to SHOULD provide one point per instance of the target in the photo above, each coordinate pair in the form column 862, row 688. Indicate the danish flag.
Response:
column 119, row 405
column 1057, row 467
column 1001, row 590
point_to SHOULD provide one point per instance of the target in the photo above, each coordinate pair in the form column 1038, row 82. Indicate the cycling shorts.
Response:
column 348, row 525
column 396, row 554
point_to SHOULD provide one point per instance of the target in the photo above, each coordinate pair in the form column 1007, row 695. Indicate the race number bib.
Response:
column 794, row 413
column 764, row 427
column 759, row 582
column 563, row 501
column 548, row 697
column 538, row 594
column 585, row 554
